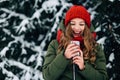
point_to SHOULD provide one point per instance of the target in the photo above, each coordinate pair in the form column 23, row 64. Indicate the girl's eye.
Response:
column 82, row 24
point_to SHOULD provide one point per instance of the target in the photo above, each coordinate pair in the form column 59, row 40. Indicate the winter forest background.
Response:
column 28, row 26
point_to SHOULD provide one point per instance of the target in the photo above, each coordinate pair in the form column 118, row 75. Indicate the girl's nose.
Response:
column 77, row 27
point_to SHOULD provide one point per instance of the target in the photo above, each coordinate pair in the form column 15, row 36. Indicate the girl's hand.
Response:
column 78, row 60
column 71, row 51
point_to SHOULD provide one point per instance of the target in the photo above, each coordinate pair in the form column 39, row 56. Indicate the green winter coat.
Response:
column 57, row 67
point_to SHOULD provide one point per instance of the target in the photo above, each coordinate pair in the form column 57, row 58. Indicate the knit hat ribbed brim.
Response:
column 77, row 11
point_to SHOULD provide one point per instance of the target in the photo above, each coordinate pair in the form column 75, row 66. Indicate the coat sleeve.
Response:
column 55, row 63
column 96, row 73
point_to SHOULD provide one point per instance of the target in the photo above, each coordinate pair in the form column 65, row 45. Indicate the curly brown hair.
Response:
column 89, row 50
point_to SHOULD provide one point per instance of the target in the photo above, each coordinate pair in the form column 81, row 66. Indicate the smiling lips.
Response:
column 76, row 34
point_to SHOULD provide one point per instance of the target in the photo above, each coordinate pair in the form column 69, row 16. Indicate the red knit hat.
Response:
column 77, row 12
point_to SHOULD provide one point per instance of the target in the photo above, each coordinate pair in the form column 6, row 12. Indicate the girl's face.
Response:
column 78, row 26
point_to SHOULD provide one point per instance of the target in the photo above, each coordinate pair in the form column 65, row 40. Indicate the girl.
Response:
column 88, row 57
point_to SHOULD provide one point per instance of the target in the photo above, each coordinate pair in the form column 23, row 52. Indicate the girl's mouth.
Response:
column 77, row 34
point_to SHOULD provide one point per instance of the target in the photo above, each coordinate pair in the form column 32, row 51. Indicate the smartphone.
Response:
column 77, row 43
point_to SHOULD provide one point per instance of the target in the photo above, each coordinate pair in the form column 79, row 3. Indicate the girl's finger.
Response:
column 76, row 57
column 70, row 46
